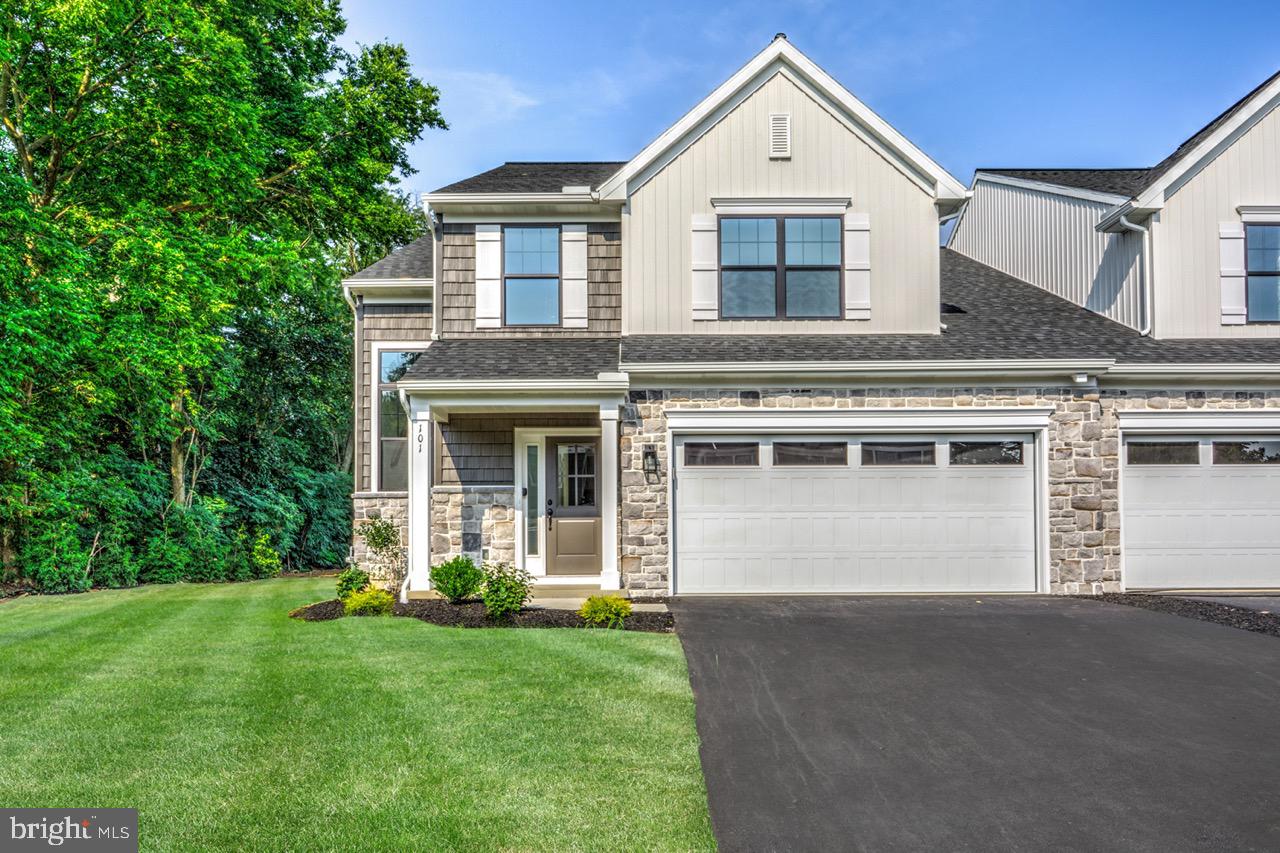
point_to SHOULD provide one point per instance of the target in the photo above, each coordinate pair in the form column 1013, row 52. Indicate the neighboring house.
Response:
column 739, row 362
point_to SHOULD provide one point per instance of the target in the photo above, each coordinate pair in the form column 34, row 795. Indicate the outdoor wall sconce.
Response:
column 650, row 463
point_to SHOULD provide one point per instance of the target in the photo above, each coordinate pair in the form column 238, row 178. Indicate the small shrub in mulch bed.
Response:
column 472, row 615
column 1205, row 611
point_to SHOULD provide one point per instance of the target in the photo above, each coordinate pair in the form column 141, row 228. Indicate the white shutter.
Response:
column 705, row 262
column 1235, row 307
column 857, row 266
column 488, row 276
column 573, row 287
column 779, row 136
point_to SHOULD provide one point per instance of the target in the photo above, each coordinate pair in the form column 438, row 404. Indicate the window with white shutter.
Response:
column 779, row 136
column 1231, row 274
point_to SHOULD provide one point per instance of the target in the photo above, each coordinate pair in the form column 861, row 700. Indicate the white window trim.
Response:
column 782, row 206
column 376, row 348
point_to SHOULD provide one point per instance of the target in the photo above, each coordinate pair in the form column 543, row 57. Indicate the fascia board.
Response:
column 1204, row 153
column 863, row 369
column 859, row 420
column 780, row 50
column 1052, row 189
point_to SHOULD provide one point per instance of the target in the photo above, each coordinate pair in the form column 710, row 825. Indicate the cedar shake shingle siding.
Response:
column 381, row 323
column 458, row 286
column 478, row 449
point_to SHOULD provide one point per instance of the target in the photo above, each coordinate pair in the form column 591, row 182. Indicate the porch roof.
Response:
column 515, row 358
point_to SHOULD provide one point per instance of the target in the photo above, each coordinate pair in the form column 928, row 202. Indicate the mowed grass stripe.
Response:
column 231, row 726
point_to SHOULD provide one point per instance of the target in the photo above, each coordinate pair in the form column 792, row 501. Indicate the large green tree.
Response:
column 182, row 184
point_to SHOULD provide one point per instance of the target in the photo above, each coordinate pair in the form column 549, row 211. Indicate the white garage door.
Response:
column 782, row 514
column 1201, row 512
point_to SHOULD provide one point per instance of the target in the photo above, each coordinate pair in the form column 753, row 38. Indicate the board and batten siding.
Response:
column 1049, row 240
column 1188, row 298
column 381, row 323
column 828, row 160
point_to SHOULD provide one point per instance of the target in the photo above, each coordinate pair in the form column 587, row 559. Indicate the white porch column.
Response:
column 421, row 452
column 609, row 545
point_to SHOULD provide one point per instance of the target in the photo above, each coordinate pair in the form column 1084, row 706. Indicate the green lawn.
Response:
column 229, row 725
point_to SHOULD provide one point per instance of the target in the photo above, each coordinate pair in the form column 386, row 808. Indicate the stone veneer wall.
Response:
column 478, row 521
column 1084, row 464
column 394, row 508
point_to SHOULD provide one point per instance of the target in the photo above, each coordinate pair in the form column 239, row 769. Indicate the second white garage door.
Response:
column 783, row 514
column 1201, row 512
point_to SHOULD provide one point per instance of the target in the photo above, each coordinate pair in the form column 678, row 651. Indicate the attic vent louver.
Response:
column 779, row 136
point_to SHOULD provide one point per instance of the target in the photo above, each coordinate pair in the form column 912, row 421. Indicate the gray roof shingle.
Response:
column 539, row 177
column 516, row 358
column 1125, row 182
column 412, row 261
column 1131, row 182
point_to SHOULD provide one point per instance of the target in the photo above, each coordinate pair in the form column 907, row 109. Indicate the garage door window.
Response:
column 810, row 453
column 898, row 453
column 986, row 452
column 1164, row 453
column 1246, row 452
column 709, row 453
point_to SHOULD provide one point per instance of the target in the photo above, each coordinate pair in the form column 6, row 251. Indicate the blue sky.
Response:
column 972, row 83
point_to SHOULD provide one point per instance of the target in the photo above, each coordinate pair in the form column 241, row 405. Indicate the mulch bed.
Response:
column 472, row 615
column 1206, row 611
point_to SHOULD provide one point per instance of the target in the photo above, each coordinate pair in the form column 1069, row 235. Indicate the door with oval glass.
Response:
column 573, row 506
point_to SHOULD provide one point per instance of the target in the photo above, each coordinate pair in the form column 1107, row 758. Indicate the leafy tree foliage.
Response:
column 182, row 185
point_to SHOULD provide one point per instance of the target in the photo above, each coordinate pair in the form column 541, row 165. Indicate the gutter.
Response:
column 1076, row 368
column 1147, row 292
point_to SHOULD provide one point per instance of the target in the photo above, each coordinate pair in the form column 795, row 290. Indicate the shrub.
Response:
column 382, row 538
column 264, row 558
column 506, row 589
column 369, row 602
column 351, row 581
column 163, row 560
column 607, row 611
column 458, row 579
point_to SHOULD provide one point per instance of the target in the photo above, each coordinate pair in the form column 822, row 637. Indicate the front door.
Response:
column 573, row 506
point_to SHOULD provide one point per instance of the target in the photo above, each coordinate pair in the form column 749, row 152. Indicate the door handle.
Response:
column 551, row 511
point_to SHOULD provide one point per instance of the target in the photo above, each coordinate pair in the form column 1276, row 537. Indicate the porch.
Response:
column 517, row 471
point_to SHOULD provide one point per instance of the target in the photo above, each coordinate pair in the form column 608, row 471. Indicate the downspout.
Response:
column 1146, row 272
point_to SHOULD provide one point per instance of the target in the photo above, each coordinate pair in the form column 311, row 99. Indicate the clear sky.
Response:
column 972, row 83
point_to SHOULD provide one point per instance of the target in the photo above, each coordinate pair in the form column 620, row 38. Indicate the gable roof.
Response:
column 1134, row 182
column 536, row 177
column 409, row 262
column 777, row 56
column 1123, row 182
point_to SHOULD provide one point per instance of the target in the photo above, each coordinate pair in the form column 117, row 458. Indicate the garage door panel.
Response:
column 1201, row 526
column 928, row 528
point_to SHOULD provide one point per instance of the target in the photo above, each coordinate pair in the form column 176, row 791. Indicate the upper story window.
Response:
column 780, row 267
column 393, row 423
column 531, row 276
column 1262, row 253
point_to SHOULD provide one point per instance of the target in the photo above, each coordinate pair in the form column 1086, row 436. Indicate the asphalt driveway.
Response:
column 982, row 724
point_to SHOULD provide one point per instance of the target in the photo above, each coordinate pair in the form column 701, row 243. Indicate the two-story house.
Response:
column 740, row 363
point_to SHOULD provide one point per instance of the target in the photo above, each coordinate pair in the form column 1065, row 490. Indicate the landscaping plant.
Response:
column 369, row 602
column 351, row 581
column 382, row 538
column 506, row 589
column 606, row 611
column 457, row 579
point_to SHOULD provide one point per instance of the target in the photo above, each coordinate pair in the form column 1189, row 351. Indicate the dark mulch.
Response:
column 320, row 611
column 1206, row 611
column 472, row 615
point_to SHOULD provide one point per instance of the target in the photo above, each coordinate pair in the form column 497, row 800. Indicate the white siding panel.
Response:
column 1188, row 264
column 1049, row 240
column 828, row 160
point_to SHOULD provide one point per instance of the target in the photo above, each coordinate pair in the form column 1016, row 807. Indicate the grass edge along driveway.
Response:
column 229, row 725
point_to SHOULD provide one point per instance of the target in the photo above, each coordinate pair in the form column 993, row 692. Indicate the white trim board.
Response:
column 782, row 205
column 950, row 419
column 780, row 56
column 1199, row 421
